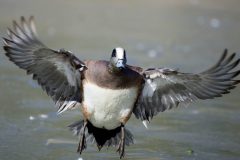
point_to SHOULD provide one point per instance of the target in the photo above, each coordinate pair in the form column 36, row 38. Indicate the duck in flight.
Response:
column 109, row 92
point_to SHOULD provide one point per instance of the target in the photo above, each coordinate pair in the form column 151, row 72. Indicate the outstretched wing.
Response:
column 58, row 72
column 166, row 88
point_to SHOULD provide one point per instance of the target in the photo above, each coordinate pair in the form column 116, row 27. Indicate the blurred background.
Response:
column 185, row 34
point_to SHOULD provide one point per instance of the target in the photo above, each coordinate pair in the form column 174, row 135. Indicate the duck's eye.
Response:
column 114, row 53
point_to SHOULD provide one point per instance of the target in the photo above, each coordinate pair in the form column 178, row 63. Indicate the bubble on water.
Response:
column 215, row 23
column 43, row 116
column 80, row 158
column 31, row 118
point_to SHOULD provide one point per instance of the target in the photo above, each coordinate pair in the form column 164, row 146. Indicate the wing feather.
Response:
column 58, row 72
column 166, row 88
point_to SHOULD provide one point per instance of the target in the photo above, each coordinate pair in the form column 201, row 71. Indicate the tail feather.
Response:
column 100, row 136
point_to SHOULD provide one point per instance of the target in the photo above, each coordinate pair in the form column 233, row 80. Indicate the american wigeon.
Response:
column 108, row 92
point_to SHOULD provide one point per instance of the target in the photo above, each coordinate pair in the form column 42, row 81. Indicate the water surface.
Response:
column 187, row 34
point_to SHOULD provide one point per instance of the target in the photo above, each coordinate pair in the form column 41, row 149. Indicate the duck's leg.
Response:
column 121, row 146
column 82, row 139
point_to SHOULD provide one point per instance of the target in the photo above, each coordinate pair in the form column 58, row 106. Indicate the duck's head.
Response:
column 118, row 59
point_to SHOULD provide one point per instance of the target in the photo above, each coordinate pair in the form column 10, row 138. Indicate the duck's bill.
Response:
column 120, row 63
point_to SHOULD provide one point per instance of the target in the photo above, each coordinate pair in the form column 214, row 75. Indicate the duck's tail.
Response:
column 100, row 136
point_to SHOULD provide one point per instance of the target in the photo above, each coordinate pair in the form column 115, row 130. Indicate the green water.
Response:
column 186, row 34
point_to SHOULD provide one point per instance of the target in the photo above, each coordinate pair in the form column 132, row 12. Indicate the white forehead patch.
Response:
column 119, row 53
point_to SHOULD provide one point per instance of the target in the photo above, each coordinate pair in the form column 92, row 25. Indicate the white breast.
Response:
column 107, row 107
